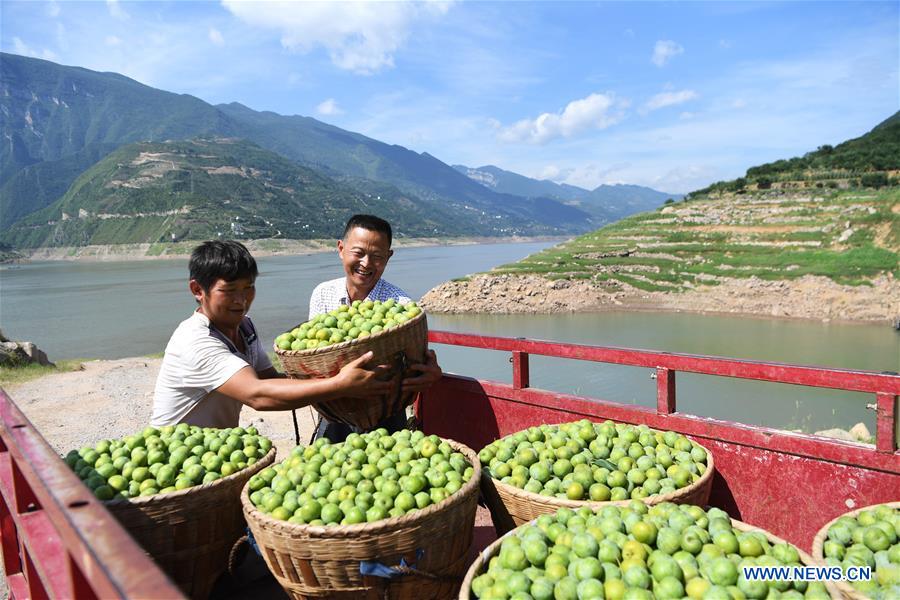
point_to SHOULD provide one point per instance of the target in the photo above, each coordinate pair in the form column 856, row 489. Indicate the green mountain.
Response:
column 57, row 119
column 606, row 203
column 151, row 192
column 871, row 160
column 337, row 151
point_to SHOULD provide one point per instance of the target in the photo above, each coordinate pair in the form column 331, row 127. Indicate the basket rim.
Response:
column 344, row 345
column 259, row 465
column 818, row 545
column 651, row 499
column 819, row 539
column 376, row 527
column 465, row 590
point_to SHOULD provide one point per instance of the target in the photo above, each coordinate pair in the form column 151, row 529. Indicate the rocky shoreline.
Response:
column 261, row 247
column 809, row 297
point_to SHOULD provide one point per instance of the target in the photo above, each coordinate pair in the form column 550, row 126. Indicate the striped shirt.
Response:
column 328, row 295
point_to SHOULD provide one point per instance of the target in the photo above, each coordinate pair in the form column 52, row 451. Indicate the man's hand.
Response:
column 356, row 381
column 430, row 374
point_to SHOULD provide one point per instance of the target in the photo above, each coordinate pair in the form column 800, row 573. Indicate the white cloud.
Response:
column 551, row 172
column 112, row 40
column 53, row 9
column 24, row 49
column 725, row 44
column 668, row 99
column 62, row 40
column 116, row 10
column 360, row 36
column 686, row 115
column 215, row 36
column 591, row 175
column 739, row 103
column 684, row 178
column 329, row 107
column 664, row 50
column 593, row 112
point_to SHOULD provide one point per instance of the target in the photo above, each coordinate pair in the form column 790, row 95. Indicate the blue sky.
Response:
column 668, row 95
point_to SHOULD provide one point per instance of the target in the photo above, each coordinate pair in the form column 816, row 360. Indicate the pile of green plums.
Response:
column 366, row 478
column 637, row 552
column 595, row 461
column 871, row 538
column 165, row 459
column 360, row 319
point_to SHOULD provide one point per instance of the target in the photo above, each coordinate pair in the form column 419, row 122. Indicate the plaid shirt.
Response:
column 329, row 295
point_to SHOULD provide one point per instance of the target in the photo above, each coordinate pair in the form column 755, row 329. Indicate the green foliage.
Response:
column 878, row 150
column 874, row 180
column 15, row 375
column 864, row 161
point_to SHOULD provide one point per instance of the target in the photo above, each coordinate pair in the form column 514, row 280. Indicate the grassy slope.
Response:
column 850, row 237
column 15, row 375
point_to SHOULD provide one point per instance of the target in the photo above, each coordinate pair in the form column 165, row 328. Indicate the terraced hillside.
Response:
column 848, row 237
column 741, row 253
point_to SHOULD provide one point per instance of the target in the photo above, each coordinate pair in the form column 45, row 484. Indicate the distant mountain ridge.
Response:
column 150, row 192
column 59, row 120
column 606, row 202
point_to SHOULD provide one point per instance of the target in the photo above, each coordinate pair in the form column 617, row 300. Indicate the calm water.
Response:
column 108, row 310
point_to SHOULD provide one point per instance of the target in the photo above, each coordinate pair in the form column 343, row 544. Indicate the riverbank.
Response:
column 262, row 247
column 808, row 297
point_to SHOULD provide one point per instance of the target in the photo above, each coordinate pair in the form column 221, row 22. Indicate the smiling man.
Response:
column 365, row 250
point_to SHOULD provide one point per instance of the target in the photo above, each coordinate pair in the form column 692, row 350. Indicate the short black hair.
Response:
column 372, row 223
column 228, row 260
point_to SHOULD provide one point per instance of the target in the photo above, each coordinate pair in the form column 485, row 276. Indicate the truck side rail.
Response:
column 57, row 539
column 786, row 482
column 885, row 386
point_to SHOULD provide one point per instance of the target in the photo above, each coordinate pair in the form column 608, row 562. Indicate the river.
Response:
column 117, row 309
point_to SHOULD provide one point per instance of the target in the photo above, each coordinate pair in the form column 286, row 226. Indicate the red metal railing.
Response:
column 885, row 386
column 788, row 483
column 58, row 541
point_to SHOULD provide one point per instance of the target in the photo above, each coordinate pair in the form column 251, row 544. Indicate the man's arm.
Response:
column 277, row 393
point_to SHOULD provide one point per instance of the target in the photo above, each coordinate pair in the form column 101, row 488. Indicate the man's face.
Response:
column 364, row 254
column 226, row 302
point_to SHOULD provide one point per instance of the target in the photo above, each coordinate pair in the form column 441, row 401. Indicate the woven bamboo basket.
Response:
column 312, row 561
column 190, row 532
column 818, row 546
column 400, row 346
column 478, row 567
column 511, row 506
